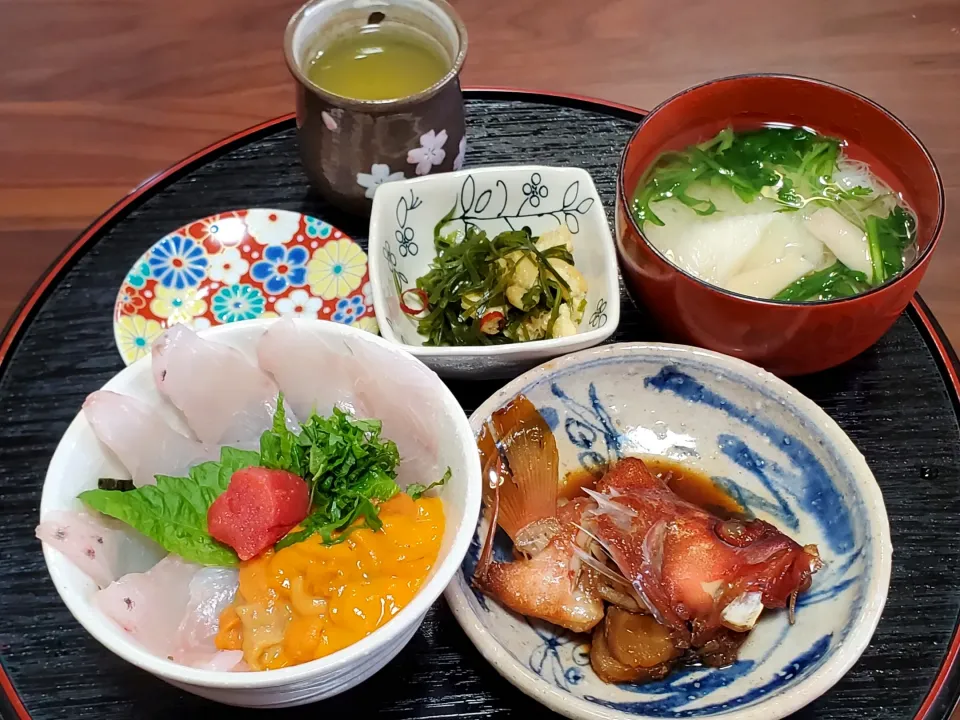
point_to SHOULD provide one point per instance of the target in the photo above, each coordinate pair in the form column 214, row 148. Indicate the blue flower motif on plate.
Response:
column 281, row 267
column 177, row 262
column 349, row 309
column 317, row 228
column 137, row 278
column 238, row 302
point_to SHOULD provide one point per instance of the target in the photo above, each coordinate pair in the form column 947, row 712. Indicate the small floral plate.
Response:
column 241, row 265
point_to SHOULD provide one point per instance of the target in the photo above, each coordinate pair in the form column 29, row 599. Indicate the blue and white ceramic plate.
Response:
column 776, row 452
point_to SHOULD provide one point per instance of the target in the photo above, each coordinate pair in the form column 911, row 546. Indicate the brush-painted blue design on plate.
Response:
column 820, row 496
column 691, row 684
column 781, row 479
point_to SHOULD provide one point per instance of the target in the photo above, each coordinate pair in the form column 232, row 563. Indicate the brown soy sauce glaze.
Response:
column 692, row 485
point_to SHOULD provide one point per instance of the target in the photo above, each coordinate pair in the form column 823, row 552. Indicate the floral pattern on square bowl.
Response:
column 493, row 199
column 242, row 265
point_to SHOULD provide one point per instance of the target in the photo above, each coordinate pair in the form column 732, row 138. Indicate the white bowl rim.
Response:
column 611, row 274
column 772, row 707
column 116, row 642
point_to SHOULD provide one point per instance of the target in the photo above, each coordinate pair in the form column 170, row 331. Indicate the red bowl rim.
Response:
column 918, row 263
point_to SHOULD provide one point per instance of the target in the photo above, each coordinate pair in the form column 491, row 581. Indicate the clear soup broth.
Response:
column 383, row 61
column 777, row 212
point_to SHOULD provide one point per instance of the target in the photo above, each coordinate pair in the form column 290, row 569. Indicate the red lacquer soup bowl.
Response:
column 785, row 338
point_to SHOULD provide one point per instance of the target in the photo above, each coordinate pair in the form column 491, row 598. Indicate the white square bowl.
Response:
column 494, row 199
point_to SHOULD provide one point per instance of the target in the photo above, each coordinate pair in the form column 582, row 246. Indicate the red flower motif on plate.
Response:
column 130, row 300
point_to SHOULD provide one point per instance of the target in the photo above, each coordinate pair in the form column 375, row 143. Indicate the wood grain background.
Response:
column 98, row 95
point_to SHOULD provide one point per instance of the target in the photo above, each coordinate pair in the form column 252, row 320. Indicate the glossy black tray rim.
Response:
column 944, row 694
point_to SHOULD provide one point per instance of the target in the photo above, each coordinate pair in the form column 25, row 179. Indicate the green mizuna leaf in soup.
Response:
column 887, row 238
column 174, row 511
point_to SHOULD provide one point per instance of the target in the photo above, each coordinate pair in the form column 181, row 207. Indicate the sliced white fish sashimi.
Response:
column 221, row 661
column 314, row 371
column 151, row 605
column 173, row 611
column 210, row 591
column 401, row 396
column 142, row 441
column 99, row 546
column 226, row 399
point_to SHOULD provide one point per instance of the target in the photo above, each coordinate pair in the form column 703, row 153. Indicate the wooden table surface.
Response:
column 98, row 95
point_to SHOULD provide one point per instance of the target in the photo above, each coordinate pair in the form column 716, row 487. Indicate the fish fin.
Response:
column 591, row 562
column 486, row 553
column 621, row 515
column 528, row 490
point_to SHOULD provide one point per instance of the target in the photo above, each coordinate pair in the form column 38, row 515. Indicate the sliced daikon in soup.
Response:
column 868, row 230
column 767, row 281
column 714, row 250
column 676, row 217
column 784, row 237
column 727, row 202
column 845, row 240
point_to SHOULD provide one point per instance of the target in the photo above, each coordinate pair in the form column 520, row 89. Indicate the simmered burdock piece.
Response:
column 639, row 641
column 610, row 669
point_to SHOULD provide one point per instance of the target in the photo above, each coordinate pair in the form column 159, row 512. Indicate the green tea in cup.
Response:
column 378, row 93
column 379, row 61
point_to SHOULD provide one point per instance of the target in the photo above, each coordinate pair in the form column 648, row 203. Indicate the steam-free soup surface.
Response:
column 379, row 62
column 778, row 212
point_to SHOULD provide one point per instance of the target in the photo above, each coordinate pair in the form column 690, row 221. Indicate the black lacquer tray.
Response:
column 898, row 402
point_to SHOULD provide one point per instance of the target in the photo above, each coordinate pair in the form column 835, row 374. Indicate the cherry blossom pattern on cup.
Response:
column 213, row 271
column 430, row 152
column 461, row 154
column 379, row 174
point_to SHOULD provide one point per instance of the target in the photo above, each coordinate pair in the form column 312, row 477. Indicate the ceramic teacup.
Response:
column 348, row 146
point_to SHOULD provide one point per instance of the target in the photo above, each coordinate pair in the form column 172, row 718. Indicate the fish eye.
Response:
column 732, row 532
